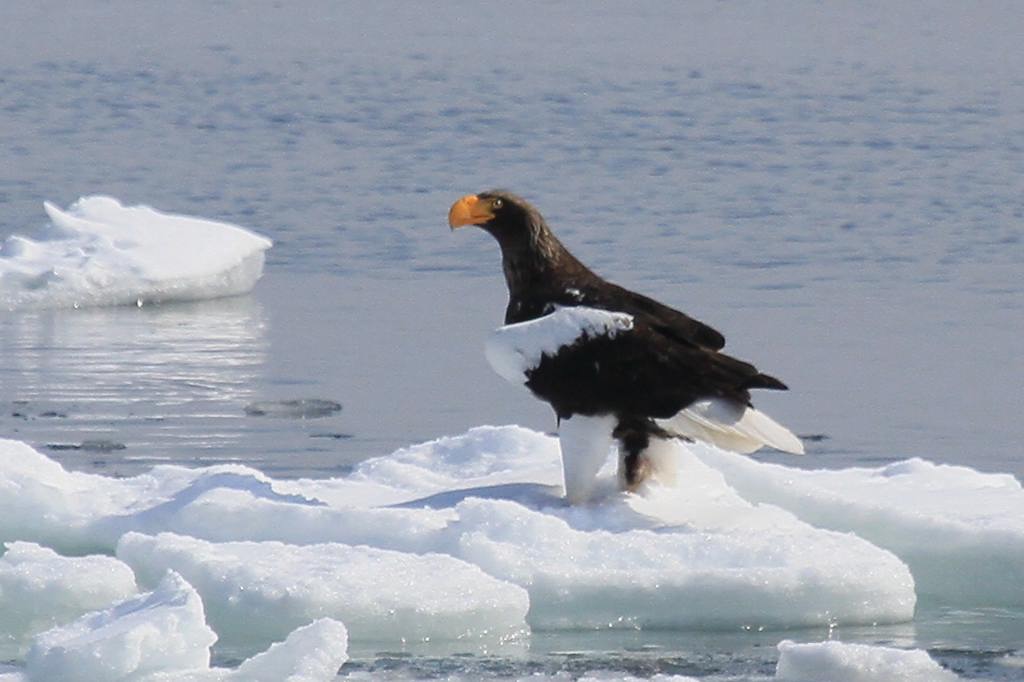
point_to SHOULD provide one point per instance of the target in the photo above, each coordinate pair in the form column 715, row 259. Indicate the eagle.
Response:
column 617, row 367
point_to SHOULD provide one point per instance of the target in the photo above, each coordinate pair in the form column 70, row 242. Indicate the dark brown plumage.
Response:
column 666, row 363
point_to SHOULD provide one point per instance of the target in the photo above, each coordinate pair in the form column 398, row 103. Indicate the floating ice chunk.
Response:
column 162, row 637
column 514, row 349
column 708, row 550
column 40, row 589
column 312, row 653
column 960, row 531
column 257, row 592
column 78, row 512
column 42, row 502
column 99, row 252
column 92, row 445
column 683, row 577
column 642, row 560
column 841, row 662
column 303, row 408
column 160, row 631
column 610, row 676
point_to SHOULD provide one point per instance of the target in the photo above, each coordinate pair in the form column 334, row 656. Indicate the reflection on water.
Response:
column 168, row 381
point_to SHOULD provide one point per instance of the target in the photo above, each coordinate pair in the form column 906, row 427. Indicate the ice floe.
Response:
column 366, row 588
column 312, row 653
column 40, row 589
column 162, row 635
column 469, row 537
column 842, row 662
column 302, row 408
column 960, row 531
column 153, row 632
column 99, row 252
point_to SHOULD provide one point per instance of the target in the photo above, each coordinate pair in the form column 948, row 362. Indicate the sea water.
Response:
column 836, row 189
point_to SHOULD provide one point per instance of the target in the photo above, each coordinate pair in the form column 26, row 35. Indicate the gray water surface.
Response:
column 838, row 189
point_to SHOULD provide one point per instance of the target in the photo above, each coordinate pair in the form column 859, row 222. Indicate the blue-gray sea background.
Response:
column 839, row 188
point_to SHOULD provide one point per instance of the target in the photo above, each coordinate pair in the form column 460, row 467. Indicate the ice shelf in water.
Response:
column 468, row 537
column 40, row 589
column 841, row 662
column 366, row 588
column 162, row 636
column 960, row 531
column 99, row 252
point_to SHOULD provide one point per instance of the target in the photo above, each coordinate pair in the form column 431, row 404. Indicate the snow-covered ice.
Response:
column 153, row 632
column 99, row 252
column 312, row 653
column 843, row 662
column 382, row 595
column 961, row 531
column 162, row 635
column 736, row 571
column 40, row 589
column 469, row 536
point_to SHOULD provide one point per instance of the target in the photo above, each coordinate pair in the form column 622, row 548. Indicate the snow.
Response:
column 514, row 349
column 627, row 566
column 311, row 653
column 153, row 632
column 842, row 662
column 162, row 636
column 961, row 531
column 99, row 252
column 40, row 589
column 366, row 588
column 469, row 538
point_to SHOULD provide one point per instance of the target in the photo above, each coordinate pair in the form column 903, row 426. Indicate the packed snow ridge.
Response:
column 99, row 252
column 468, row 538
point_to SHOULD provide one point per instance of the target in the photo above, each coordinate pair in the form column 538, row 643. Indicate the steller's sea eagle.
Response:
column 615, row 365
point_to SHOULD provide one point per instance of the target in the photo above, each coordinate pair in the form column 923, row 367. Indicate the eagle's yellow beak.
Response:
column 469, row 210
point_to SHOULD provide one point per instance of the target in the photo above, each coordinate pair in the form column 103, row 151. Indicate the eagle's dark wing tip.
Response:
column 711, row 338
column 765, row 381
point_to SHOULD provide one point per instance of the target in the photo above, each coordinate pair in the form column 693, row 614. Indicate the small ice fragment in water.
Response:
column 813, row 437
column 97, row 445
column 303, row 408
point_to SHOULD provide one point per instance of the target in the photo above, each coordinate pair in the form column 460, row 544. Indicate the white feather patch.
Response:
column 731, row 426
column 585, row 443
column 514, row 349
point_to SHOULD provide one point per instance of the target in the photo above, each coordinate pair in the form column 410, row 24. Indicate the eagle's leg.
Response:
column 585, row 442
column 644, row 453
column 634, row 468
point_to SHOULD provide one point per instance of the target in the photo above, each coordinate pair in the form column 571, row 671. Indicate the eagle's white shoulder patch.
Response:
column 514, row 349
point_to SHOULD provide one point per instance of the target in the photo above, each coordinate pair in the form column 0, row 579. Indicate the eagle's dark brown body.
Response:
column 666, row 363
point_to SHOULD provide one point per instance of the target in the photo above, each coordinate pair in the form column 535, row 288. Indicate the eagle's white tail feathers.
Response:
column 731, row 426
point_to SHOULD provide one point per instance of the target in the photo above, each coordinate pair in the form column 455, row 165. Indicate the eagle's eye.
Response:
column 497, row 204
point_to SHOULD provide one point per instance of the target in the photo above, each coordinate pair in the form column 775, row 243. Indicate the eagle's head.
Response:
column 509, row 218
